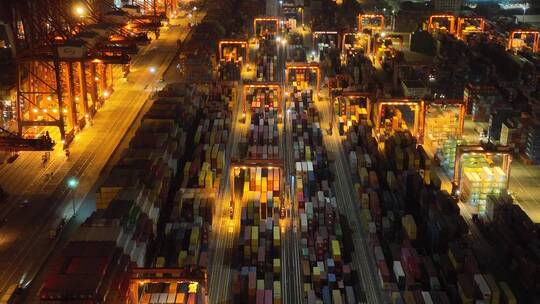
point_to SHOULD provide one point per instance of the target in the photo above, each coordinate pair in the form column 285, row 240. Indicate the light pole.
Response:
column 72, row 184
column 525, row 6
column 152, row 71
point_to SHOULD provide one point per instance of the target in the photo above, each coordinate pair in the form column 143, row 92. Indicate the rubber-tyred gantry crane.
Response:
column 198, row 276
column 265, row 24
column 300, row 67
column 489, row 151
column 373, row 22
column 442, row 23
column 352, row 40
column 522, row 39
column 253, row 85
column 233, row 50
column 417, row 107
column 470, row 24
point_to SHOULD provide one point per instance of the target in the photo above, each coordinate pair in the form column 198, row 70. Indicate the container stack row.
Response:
column 188, row 220
column 204, row 165
column 515, row 238
column 187, row 230
column 262, row 138
column 96, row 264
column 171, row 293
column 350, row 111
column 96, row 271
column 229, row 70
column 415, row 231
column 266, row 61
column 441, row 123
column 258, row 192
column 447, row 153
column 325, row 259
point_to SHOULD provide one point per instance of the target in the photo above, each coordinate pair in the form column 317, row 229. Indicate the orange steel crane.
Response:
column 517, row 40
column 466, row 25
column 266, row 23
column 256, row 163
column 435, row 23
column 142, row 276
column 300, row 67
column 373, row 22
column 362, row 97
column 488, row 150
column 331, row 35
column 351, row 40
column 239, row 49
column 417, row 106
column 251, row 85
column 460, row 103
column 64, row 63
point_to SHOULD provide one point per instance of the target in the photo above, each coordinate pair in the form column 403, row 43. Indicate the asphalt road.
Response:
column 225, row 230
column 292, row 283
column 24, row 241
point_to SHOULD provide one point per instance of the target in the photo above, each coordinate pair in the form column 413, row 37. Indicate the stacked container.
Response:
column 415, row 232
column 324, row 256
column 258, row 192
column 96, row 271
column 263, row 128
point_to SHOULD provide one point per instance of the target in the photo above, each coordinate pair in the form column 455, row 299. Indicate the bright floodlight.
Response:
column 278, row 39
column 152, row 70
column 73, row 183
column 80, row 10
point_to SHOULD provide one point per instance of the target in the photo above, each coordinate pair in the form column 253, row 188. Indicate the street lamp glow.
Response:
column 152, row 70
column 73, row 183
column 278, row 39
column 284, row 41
column 79, row 10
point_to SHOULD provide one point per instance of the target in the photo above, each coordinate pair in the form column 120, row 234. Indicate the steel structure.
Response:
column 251, row 85
column 256, row 163
column 142, row 276
column 356, row 37
column 488, row 150
column 511, row 39
column 238, row 44
column 453, row 102
column 259, row 21
column 373, row 22
column 466, row 25
column 417, row 106
column 300, row 66
column 359, row 96
column 330, row 34
column 434, row 24
column 65, row 53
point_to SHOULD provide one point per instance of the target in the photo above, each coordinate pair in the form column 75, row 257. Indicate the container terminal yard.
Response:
column 212, row 151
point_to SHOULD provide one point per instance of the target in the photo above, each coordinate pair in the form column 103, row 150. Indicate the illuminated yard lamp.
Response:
column 73, row 183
